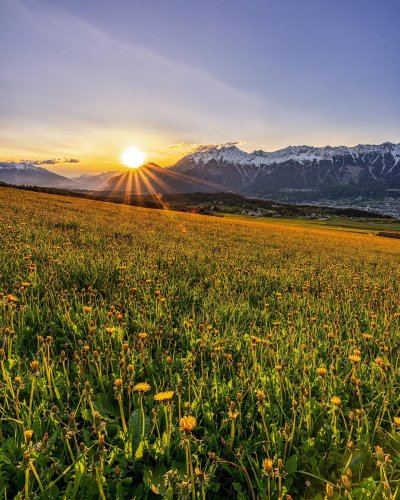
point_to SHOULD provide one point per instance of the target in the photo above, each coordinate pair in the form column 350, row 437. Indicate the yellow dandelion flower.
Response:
column 142, row 387
column 335, row 400
column 233, row 414
column 367, row 336
column 187, row 423
column 164, row 396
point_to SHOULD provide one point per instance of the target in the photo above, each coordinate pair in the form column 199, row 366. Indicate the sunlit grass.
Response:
column 193, row 356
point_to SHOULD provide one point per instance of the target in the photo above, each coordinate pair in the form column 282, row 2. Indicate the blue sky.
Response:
column 86, row 79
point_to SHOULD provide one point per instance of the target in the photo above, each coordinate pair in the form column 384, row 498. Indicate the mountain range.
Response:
column 298, row 169
column 293, row 172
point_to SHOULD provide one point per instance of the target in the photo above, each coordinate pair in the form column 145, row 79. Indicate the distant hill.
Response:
column 210, row 203
column 152, row 178
column 30, row 174
column 95, row 181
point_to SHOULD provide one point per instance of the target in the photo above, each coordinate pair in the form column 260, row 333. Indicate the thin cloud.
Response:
column 51, row 161
column 196, row 147
column 203, row 147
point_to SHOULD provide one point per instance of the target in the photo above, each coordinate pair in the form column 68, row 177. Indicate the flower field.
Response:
column 148, row 354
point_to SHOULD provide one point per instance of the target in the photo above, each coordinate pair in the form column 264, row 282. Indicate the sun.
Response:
column 133, row 157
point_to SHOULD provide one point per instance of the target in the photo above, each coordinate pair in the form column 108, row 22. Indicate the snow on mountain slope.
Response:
column 300, row 168
column 300, row 154
column 29, row 174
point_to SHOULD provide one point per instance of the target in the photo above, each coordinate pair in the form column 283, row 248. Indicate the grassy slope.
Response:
column 249, row 306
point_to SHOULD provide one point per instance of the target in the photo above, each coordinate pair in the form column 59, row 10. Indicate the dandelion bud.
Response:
column 34, row 366
column 97, row 418
column 329, row 490
column 346, row 482
column 268, row 466
column 28, row 435
column 101, row 442
column 351, row 446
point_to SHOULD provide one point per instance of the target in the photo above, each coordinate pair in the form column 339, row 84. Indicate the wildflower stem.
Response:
column 31, row 401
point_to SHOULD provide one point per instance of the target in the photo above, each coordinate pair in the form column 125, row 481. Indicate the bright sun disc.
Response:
column 133, row 157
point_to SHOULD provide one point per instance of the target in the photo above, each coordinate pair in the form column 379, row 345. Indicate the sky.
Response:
column 81, row 81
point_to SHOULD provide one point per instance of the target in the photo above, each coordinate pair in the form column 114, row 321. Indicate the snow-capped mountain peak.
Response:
column 19, row 165
column 300, row 154
column 332, row 169
column 30, row 174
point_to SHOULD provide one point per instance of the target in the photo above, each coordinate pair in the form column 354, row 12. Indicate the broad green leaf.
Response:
column 153, row 478
column 291, row 464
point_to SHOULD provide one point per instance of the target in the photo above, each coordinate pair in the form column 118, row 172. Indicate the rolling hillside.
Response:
column 148, row 352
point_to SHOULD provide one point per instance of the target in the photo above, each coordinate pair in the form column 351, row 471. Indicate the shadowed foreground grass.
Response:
column 149, row 353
